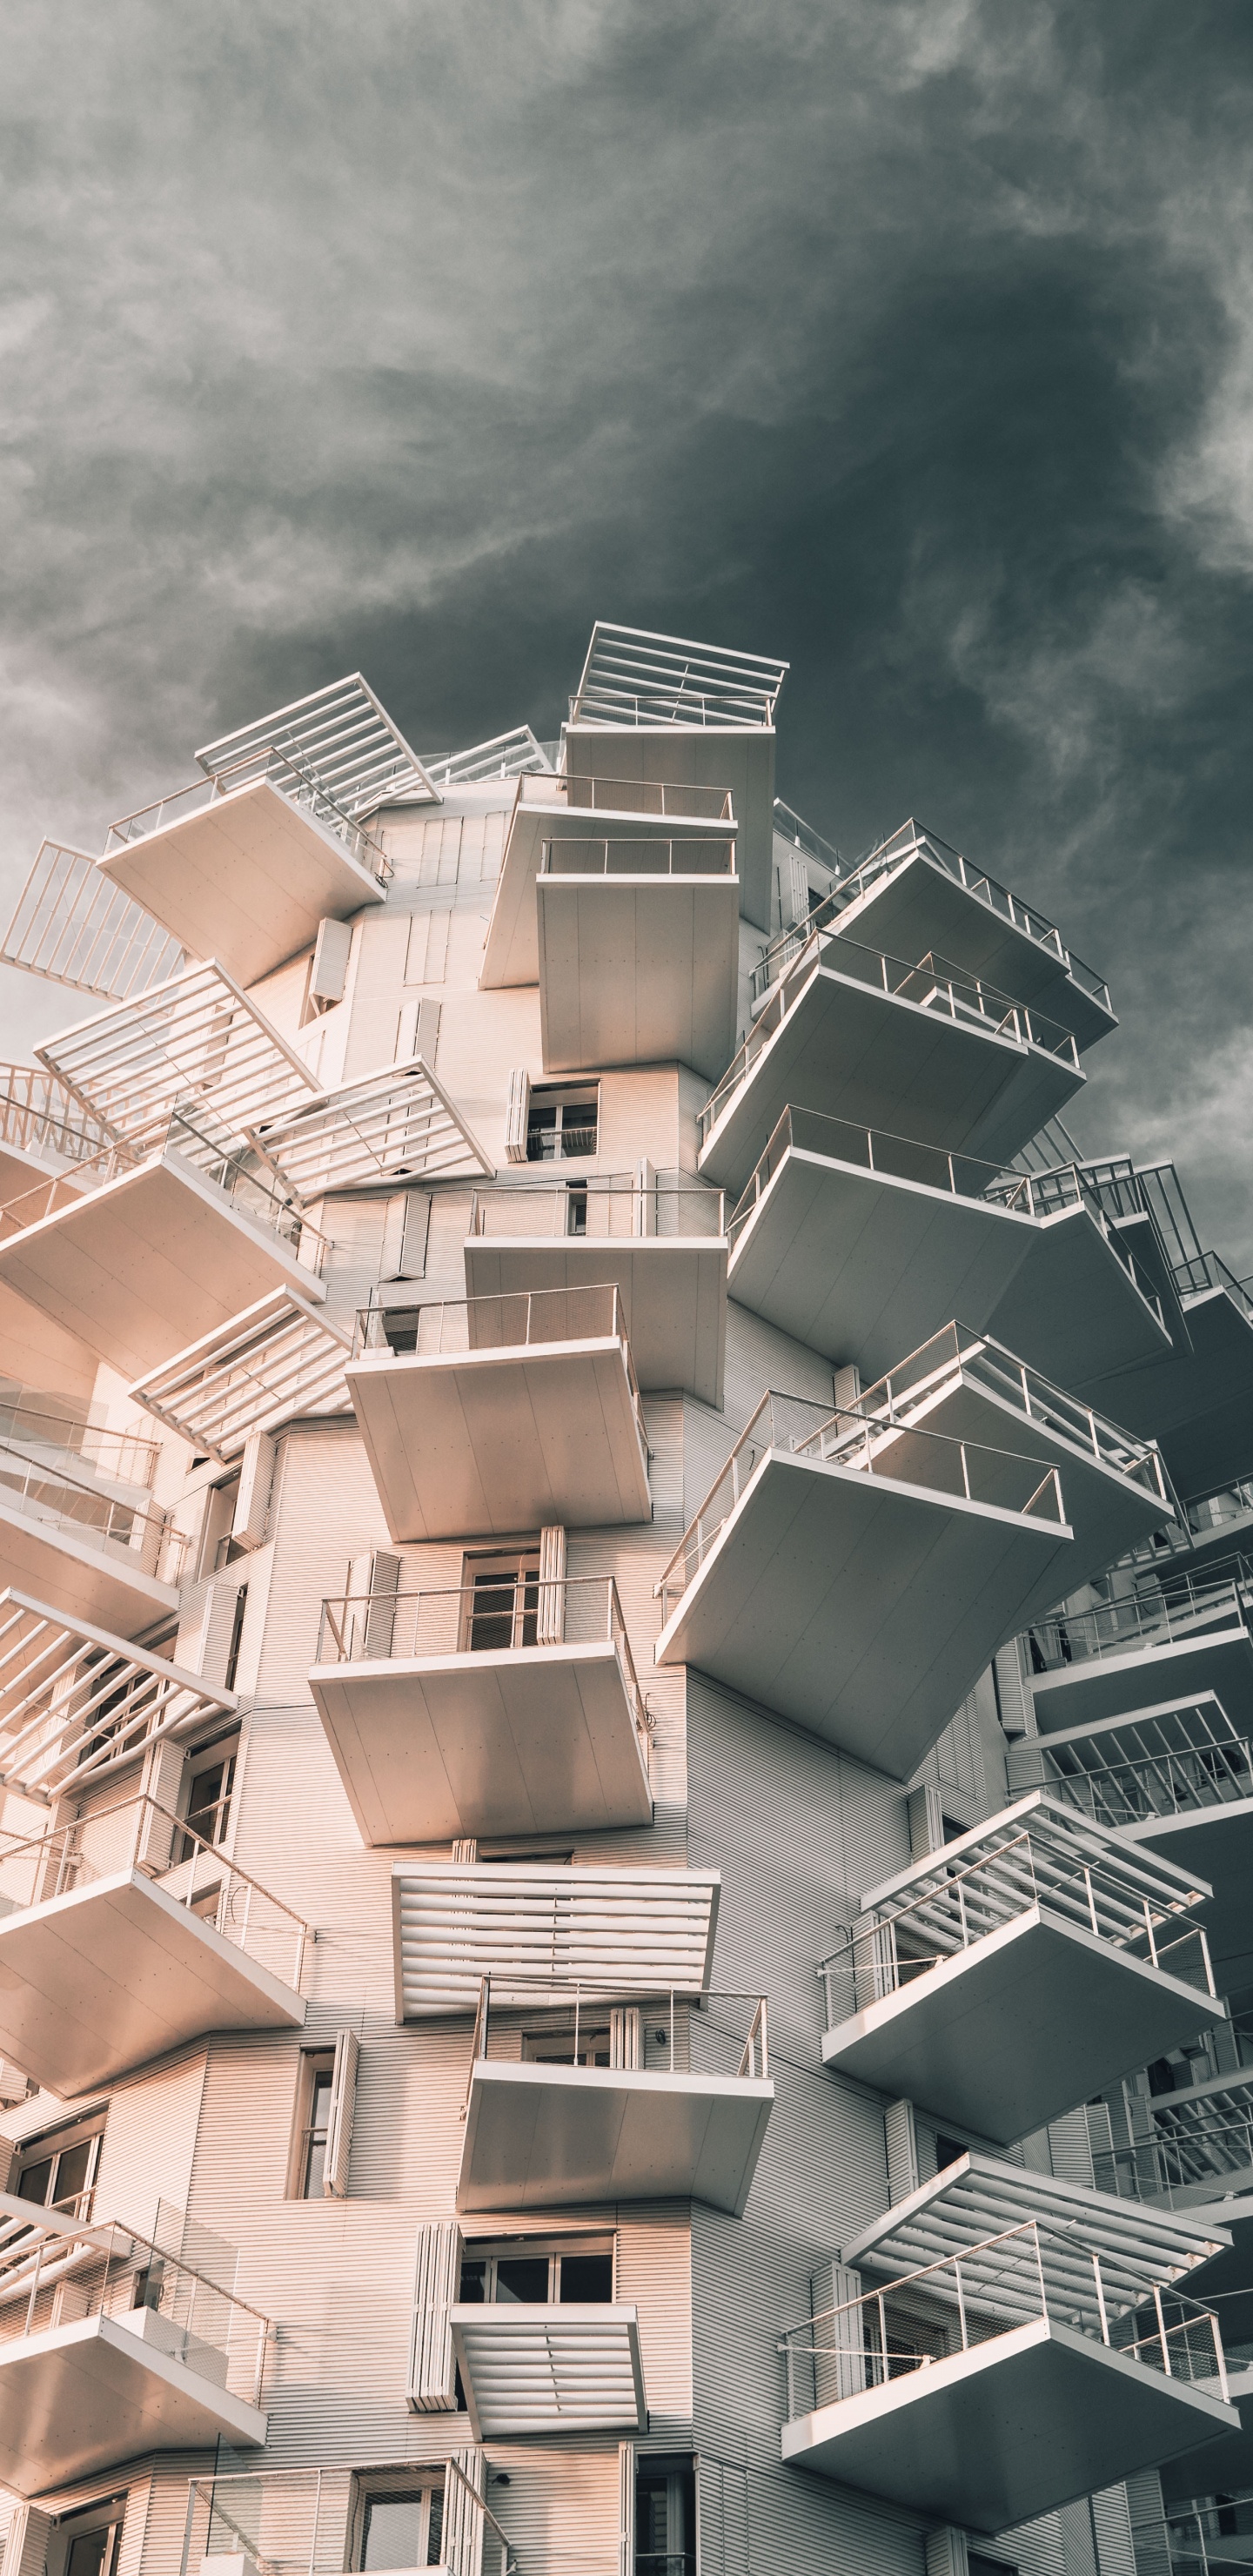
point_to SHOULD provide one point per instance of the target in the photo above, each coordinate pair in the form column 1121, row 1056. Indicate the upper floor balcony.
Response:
column 861, row 1243
column 507, row 1707
column 637, row 814
column 127, row 1933
column 500, row 1414
column 110, row 2348
column 856, row 1585
column 77, row 1703
column 660, row 1241
column 1177, row 1636
column 1194, row 2151
column 1211, row 1528
column 435, row 2516
column 1005, row 2343
column 95, row 1547
column 275, row 1360
column 914, row 894
column 638, row 952
column 911, row 1046
column 1031, row 1963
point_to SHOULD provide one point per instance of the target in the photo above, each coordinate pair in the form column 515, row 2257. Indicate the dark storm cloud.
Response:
column 908, row 339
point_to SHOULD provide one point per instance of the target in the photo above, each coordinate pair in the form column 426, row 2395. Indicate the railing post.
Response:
column 883, row 2339
column 1161, row 2328
column 1100, row 2296
column 961, row 2303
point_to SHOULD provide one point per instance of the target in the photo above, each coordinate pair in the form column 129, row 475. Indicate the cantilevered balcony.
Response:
column 270, row 1363
column 95, row 1547
column 1017, row 2342
column 1195, row 2153
column 77, row 1703
column 1174, row 1637
column 511, row 1708
column 539, row 2369
column 501, row 1414
column 633, row 814
column 854, row 1591
column 1033, row 1962
column 638, row 952
column 127, row 1934
column 911, row 1046
column 916, row 895
column 659, row 1241
column 109, row 2348
column 860, row 1243
column 196, row 1047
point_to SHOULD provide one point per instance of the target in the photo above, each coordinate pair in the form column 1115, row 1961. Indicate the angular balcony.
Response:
column 1200, row 1400
column 241, row 2521
column 1020, row 2343
column 916, row 895
column 1197, row 2157
column 109, row 2348
column 1176, row 1637
column 127, row 1934
column 510, row 1708
column 245, row 864
column 77, row 1703
column 910, row 1046
column 194, row 1047
column 274, row 1361
column 638, row 952
column 660, row 1243
column 533, row 2369
column 637, row 813
column 1036, row 1961
column 501, row 1414
column 95, row 1548
column 860, row 1243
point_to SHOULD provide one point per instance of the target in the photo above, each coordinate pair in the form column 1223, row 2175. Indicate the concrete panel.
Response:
column 246, row 878
column 674, row 1295
column 638, row 970
column 62, row 1567
column 570, row 2137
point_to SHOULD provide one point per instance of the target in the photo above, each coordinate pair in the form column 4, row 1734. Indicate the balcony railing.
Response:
column 54, row 2273
column 1181, row 1606
column 1036, row 1856
column 1178, row 1762
column 518, row 1320
column 140, row 1834
column 955, row 1354
column 631, row 677
column 1173, row 2166
column 255, row 1187
column 643, row 796
column 583, row 2006
column 1231, row 1507
column 299, row 2522
column 971, row 1470
column 484, row 1618
column 49, row 1497
column 929, row 982
column 1197, row 2539
column 76, row 1702
column 39, row 1116
column 699, row 856
column 1025, row 2275
column 606, row 1207
column 1208, row 1270
column 263, row 764
column 28, row 1417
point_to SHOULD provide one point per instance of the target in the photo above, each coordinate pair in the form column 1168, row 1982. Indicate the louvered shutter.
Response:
column 436, row 2281
column 463, row 2514
column 339, row 2122
column 517, row 1114
column 626, row 2509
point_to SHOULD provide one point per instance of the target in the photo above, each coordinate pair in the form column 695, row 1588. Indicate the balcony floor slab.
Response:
column 863, row 1608
column 62, row 1567
column 1217, row 1844
column 638, row 970
column 1016, row 2029
column 1010, row 2430
column 1218, row 1659
column 246, row 878
column 148, row 1263
column 440, row 1748
column 918, row 910
column 511, row 950
column 80, row 2398
column 118, row 1972
column 1197, row 1405
column 673, row 1291
column 495, row 1441
column 571, row 2137
column 1225, row 2466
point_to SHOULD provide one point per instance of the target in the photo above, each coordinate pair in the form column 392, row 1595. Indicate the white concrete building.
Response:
column 626, row 1695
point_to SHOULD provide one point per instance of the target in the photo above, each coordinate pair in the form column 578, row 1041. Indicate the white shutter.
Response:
column 339, row 2120
column 330, row 963
column 626, row 2509
column 902, row 2146
column 426, row 1033
column 626, row 2045
column 840, row 2367
column 551, row 1605
column 926, row 1821
column 628, row 1932
column 517, row 1115
column 463, row 2514
column 436, row 2282
column 256, row 1481
column 947, row 2554
column 874, row 1961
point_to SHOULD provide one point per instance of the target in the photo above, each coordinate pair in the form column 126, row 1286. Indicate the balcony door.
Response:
column 500, row 1602
column 665, row 2518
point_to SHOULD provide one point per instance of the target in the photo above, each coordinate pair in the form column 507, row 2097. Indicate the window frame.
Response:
column 52, row 2146
column 493, row 2250
column 314, row 2063
column 371, row 2486
column 560, row 1097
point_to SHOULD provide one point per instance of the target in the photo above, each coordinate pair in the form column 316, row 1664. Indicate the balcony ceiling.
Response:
column 638, row 970
column 1224, row 2467
column 573, row 2137
column 246, row 878
column 148, row 1263
column 1218, row 1659
column 498, row 1441
column 539, row 1739
column 674, row 1295
column 103, row 1584
column 78, row 2399
column 550, row 2369
column 740, row 759
column 1217, row 1844
column 920, row 909
column 117, row 1973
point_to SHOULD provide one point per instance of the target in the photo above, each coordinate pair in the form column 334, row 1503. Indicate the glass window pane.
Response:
column 586, row 2277
column 473, row 2284
column 74, row 2169
column 393, row 2530
column 435, row 2533
column 523, row 2277
column 35, row 2180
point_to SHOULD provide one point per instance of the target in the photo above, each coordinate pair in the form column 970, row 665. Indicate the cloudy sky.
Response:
column 910, row 339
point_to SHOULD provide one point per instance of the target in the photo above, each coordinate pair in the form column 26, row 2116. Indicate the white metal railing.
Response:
column 76, row 1702
column 632, row 677
column 604, row 1207
column 576, row 1997
column 299, row 2522
column 56, row 2271
column 1176, row 1762
column 1171, row 2165
column 928, row 982
column 956, row 1355
column 971, row 1470
column 343, row 737
column 396, row 1124
column 73, row 926
column 687, row 803
column 1027, row 2274
column 1230, row 1507
column 1036, row 1856
column 698, row 856
column 515, row 754
column 57, row 1429
column 38, row 1115
column 140, row 1834
column 246, row 1176
column 276, row 1359
column 1197, row 2539
column 791, row 826
column 295, row 781
column 50, row 1497
column 1182, row 1605
column 515, row 1320
column 496, row 1617
column 196, row 1045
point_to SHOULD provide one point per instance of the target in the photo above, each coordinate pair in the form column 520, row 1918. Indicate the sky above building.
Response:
column 910, row 339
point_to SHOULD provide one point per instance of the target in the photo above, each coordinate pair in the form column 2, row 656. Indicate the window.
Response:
column 561, row 1123
column 209, row 1789
column 313, row 2112
column 400, row 2521
column 665, row 2518
column 578, row 2274
column 59, row 2171
column 89, row 2540
column 556, row 2047
column 502, row 1602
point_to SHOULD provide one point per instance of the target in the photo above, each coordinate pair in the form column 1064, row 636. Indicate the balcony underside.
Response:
column 550, row 2369
column 80, row 2398
column 539, row 1739
column 863, row 1608
column 1219, row 1659
column 1216, row 1843
column 863, row 1266
column 512, row 950
column 737, row 758
column 1016, row 2029
column 638, row 970
column 573, row 2137
column 919, row 911
column 497, row 1441
column 992, row 2437
column 1225, row 2466
column 105, row 1585
column 149, row 1263
column 673, row 1291
column 245, row 879
column 1199, row 1405
column 118, row 1972
column 851, row 1051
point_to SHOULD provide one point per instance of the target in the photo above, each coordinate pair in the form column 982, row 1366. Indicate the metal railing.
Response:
column 38, row 1115
column 957, row 1355
column 1171, row 2166
column 497, row 1617
column 299, row 2522
column 49, row 1497
column 264, row 764
column 140, row 1834
column 605, row 1207
column 1197, row 2539
column 1180, row 1606
column 60, row 1190
column 791, row 826
column 835, row 1435
column 76, row 1703
column 55, row 2272
column 698, row 856
column 1228, row 1508
column 1024, row 2275
column 928, row 982
column 646, row 796
column 1046, row 1861
column 28, row 1415
column 1126, row 1779
column 519, row 1319
column 1205, row 1270
column 255, row 1186
column 632, row 677
column 575, row 1997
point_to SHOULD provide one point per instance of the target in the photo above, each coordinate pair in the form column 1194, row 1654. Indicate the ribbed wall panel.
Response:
column 150, row 2145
